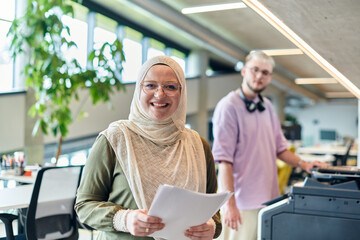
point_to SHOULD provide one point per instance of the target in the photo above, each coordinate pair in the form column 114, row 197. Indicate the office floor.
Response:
column 83, row 234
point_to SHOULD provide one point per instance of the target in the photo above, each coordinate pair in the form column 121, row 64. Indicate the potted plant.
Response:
column 41, row 35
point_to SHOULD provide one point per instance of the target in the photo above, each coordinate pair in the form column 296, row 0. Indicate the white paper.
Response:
column 181, row 209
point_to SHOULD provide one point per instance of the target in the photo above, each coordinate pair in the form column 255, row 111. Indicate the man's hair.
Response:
column 261, row 56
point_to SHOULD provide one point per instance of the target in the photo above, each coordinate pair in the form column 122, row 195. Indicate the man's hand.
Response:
column 231, row 215
column 307, row 166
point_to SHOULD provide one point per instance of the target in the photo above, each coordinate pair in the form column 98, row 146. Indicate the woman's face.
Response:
column 160, row 92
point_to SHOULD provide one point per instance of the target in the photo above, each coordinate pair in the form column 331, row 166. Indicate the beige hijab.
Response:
column 153, row 152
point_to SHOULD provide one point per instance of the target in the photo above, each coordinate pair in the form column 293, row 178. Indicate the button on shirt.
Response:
column 251, row 142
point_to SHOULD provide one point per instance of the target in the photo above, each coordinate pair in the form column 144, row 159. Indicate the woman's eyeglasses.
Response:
column 170, row 88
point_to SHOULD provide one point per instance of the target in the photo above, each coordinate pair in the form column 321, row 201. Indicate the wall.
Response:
column 12, row 122
column 339, row 116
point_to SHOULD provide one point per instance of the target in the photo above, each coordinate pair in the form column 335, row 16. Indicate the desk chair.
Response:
column 51, row 213
column 348, row 148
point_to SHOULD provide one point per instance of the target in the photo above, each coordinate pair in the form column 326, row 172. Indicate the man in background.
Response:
column 247, row 141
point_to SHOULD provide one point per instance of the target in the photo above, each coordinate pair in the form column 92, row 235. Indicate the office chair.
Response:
column 51, row 213
column 347, row 153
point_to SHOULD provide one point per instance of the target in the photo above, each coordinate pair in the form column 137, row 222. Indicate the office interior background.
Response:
column 309, row 40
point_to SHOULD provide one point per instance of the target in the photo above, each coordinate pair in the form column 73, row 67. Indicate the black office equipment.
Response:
column 327, row 207
column 50, row 214
column 292, row 132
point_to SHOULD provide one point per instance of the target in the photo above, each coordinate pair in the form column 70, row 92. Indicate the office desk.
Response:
column 333, row 150
column 321, row 158
column 10, row 175
column 18, row 197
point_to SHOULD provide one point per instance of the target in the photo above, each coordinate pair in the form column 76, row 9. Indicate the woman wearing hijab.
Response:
column 132, row 158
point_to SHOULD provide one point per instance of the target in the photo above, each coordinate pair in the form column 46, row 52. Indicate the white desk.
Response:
column 321, row 158
column 10, row 175
column 333, row 150
column 18, row 197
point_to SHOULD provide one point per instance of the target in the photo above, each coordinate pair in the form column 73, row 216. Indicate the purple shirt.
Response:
column 251, row 142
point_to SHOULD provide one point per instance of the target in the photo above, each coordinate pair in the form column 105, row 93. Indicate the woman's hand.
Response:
column 204, row 231
column 139, row 223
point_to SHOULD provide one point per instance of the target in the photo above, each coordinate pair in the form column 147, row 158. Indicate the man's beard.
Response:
column 253, row 90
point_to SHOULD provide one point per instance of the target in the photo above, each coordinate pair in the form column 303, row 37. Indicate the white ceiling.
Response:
column 330, row 27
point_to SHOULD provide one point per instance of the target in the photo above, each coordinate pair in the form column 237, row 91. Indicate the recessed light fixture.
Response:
column 304, row 46
column 315, row 81
column 282, row 52
column 211, row 8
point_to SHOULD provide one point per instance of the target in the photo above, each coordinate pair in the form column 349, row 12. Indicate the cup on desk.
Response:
column 19, row 170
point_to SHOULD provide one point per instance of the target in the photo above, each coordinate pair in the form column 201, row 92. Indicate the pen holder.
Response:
column 19, row 171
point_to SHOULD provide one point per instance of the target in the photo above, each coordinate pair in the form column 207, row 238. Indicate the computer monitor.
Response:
column 328, row 135
column 292, row 132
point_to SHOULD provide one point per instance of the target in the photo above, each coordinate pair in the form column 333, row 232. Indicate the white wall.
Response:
column 12, row 122
column 339, row 116
column 220, row 86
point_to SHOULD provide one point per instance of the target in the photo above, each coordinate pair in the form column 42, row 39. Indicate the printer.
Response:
column 327, row 207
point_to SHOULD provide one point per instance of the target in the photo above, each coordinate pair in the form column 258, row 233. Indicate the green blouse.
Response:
column 104, row 190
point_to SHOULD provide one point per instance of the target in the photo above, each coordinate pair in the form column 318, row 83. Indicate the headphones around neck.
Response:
column 250, row 105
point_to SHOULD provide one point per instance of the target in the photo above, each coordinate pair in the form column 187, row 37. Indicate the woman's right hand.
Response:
column 139, row 223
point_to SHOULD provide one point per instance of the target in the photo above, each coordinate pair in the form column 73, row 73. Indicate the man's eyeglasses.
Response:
column 170, row 88
column 256, row 70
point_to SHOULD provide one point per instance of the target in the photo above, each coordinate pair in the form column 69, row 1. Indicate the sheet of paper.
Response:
column 181, row 209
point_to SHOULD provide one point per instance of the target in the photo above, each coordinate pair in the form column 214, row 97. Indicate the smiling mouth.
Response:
column 159, row 104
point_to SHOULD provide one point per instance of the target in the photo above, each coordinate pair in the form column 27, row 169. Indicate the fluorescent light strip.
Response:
column 282, row 52
column 315, row 80
column 339, row 95
column 211, row 8
column 287, row 32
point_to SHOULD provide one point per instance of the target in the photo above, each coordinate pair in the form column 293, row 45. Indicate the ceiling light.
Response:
column 282, row 52
column 315, row 80
column 239, row 65
column 210, row 8
column 339, row 95
column 300, row 43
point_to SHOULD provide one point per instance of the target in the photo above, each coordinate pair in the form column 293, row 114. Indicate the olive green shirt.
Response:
column 104, row 190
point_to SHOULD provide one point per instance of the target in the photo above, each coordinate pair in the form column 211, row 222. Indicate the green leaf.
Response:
column 43, row 126
column 63, row 129
column 32, row 111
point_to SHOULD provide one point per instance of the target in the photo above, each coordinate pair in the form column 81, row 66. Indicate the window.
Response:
column 179, row 57
column 104, row 32
column 78, row 34
column 7, row 15
column 133, row 55
column 156, row 49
